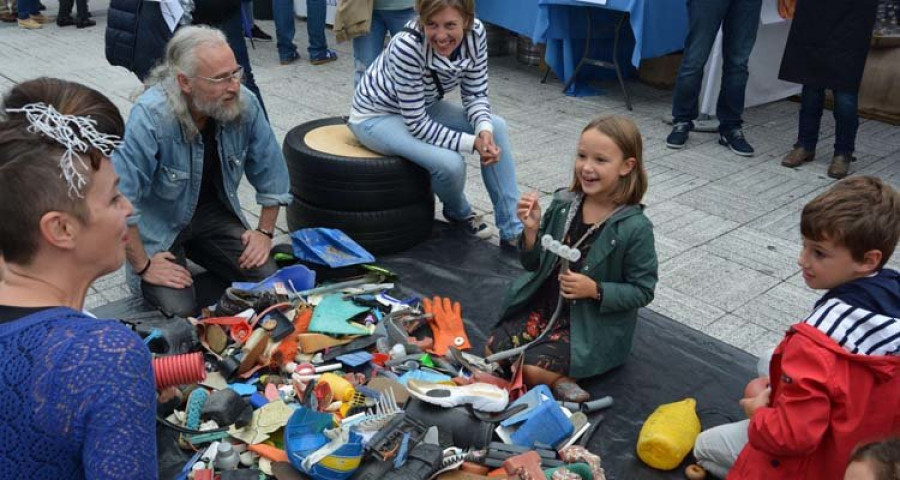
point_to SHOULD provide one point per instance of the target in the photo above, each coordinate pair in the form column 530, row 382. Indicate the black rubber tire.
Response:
column 351, row 184
column 379, row 232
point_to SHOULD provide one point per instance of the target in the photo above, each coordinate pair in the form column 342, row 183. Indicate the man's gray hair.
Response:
column 181, row 57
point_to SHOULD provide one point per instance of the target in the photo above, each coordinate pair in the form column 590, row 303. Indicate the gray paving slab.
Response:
column 765, row 253
column 780, row 307
column 742, row 334
column 686, row 308
column 714, row 280
column 727, row 227
column 687, row 225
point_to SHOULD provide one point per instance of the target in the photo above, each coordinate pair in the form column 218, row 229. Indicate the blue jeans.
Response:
column 367, row 48
column 739, row 20
column 26, row 8
column 389, row 135
column 283, row 13
column 315, row 28
column 234, row 34
column 812, row 104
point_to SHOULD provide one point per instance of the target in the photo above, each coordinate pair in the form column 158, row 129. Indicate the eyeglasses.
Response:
column 236, row 75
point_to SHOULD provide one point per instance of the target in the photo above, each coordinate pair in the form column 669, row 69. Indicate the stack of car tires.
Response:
column 383, row 203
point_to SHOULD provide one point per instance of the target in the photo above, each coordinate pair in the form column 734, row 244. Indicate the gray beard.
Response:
column 218, row 111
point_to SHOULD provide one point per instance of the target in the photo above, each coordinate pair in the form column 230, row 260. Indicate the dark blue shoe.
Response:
column 679, row 135
column 735, row 141
column 328, row 56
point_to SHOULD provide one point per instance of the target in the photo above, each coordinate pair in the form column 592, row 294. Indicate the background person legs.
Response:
column 315, row 29
column 366, row 48
column 704, row 18
column 285, row 29
column 738, row 37
column 234, row 34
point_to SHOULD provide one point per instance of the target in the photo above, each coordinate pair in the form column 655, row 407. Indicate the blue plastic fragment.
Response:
column 354, row 359
column 258, row 400
column 242, row 389
column 402, row 452
column 424, row 375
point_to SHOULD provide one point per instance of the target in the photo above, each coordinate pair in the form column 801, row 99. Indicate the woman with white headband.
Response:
column 78, row 392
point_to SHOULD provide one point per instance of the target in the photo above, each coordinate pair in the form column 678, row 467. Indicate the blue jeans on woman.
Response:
column 367, row 48
column 388, row 135
column 812, row 105
column 739, row 20
column 285, row 28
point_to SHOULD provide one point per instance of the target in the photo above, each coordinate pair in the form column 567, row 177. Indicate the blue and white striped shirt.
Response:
column 400, row 82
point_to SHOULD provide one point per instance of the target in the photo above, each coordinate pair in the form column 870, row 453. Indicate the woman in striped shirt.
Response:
column 398, row 109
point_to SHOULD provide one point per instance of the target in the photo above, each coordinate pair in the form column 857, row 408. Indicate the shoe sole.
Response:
column 736, row 152
column 322, row 61
column 675, row 146
column 482, row 397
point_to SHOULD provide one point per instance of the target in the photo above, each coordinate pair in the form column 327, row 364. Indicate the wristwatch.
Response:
column 268, row 233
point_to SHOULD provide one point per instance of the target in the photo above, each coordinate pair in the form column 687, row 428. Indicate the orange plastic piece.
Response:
column 274, row 454
column 302, row 319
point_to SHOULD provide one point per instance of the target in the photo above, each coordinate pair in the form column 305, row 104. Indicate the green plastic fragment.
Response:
column 426, row 361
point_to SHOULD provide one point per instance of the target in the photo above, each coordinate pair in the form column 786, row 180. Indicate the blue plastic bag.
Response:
column 295, row 277
column 328, row 246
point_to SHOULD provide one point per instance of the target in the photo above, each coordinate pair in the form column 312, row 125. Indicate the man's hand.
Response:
column 486, row 148
column 576, row 285
column 165, row 272
column 256, row 249
column 752, row 404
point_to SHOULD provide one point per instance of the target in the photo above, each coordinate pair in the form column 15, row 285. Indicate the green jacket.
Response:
column 622, row 260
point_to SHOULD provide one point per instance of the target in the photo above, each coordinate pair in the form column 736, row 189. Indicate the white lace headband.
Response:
column 46, row 120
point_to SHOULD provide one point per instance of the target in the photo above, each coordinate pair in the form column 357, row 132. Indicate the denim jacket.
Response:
column 161, row 170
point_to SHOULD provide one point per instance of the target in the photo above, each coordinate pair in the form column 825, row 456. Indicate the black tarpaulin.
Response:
column 669, row 361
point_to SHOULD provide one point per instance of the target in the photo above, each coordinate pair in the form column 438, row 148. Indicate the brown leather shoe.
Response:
column 797, row 157
column 567, row 390
column 840, row 166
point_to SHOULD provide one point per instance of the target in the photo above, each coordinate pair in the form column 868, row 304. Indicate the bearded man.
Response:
column 189, row 140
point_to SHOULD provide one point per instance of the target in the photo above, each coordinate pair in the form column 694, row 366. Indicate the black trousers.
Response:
column 213, row 241
column 65, row 8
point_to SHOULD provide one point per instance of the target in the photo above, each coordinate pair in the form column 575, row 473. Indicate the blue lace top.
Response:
column 77, row 399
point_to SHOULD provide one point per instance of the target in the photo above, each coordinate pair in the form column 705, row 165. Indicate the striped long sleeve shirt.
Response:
column 402, row 82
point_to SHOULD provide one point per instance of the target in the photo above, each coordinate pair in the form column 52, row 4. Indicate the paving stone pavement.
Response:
column 727, row 227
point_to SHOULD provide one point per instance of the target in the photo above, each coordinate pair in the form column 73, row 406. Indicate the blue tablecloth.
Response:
column 659, row 27
column 519, row 16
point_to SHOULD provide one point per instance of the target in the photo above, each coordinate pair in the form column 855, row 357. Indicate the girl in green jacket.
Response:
column 597, row 298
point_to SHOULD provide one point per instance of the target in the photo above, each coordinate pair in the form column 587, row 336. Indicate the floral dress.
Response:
column 553, row 351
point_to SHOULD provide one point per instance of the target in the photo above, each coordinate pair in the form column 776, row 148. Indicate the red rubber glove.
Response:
column 446, row 325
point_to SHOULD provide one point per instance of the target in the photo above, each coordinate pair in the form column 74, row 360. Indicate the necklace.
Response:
column 578, row 205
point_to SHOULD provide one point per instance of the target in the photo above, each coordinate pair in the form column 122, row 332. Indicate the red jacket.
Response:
column 825, row 400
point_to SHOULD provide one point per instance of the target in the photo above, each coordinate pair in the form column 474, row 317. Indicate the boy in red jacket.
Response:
column 835, row 377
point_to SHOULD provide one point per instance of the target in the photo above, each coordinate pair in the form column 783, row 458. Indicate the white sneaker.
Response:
column 482, row 396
